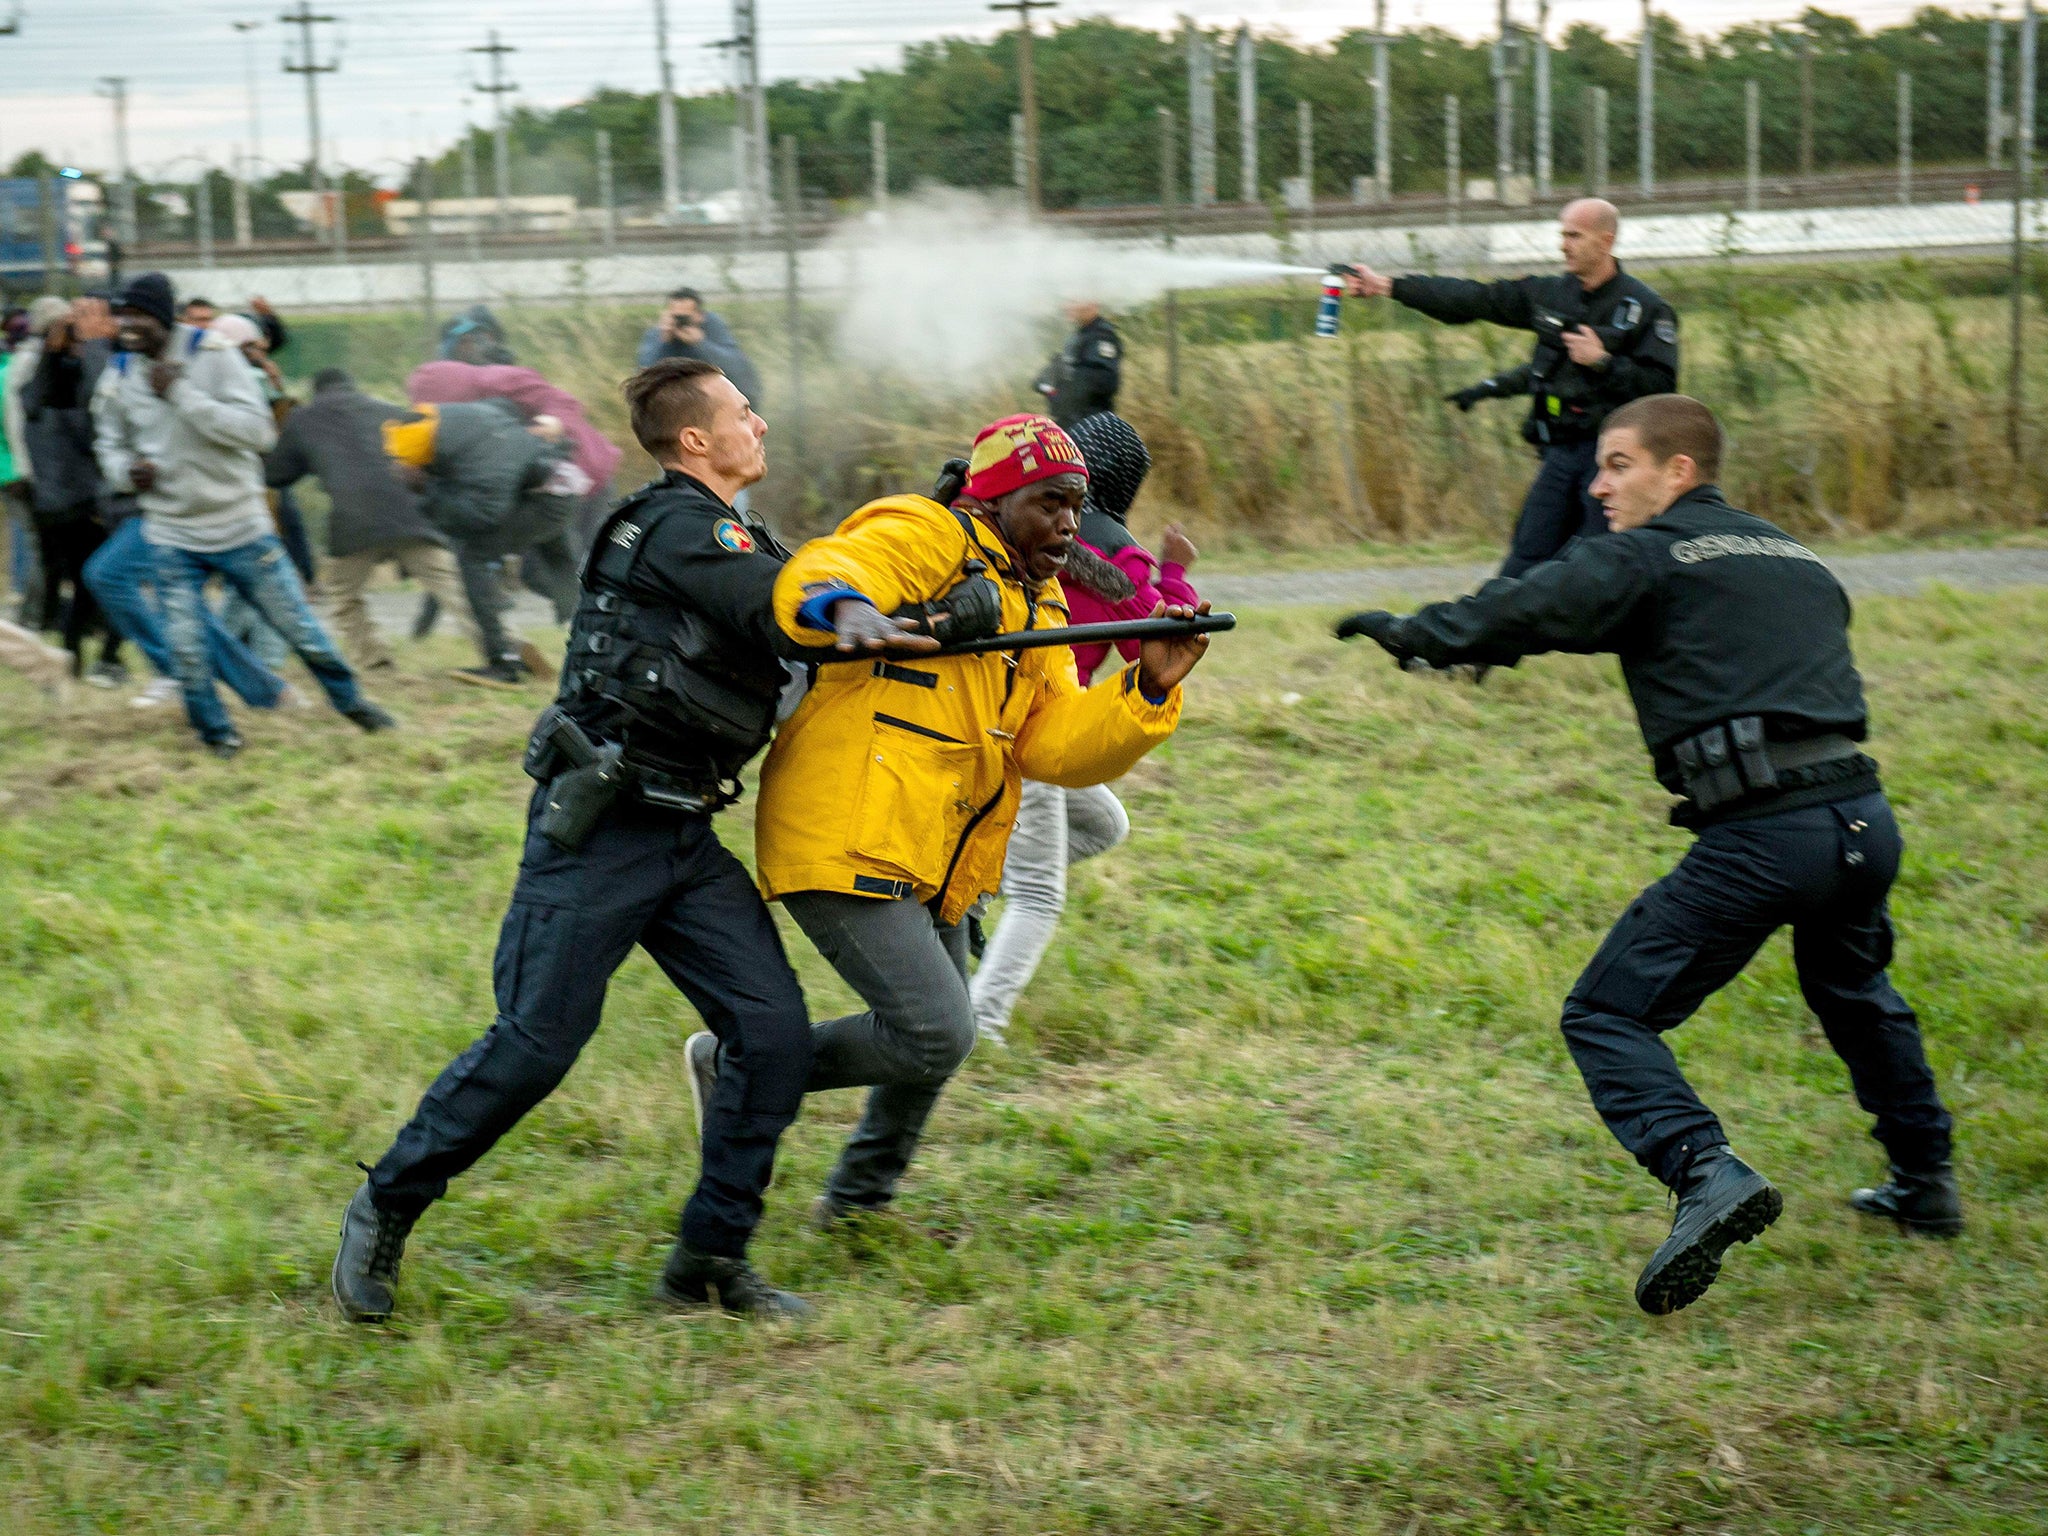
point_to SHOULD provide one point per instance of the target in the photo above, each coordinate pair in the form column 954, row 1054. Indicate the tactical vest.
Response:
column 669, row 671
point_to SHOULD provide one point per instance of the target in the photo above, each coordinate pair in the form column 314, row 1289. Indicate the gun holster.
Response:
column 583, row 778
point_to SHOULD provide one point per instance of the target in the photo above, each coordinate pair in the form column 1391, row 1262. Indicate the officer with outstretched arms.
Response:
column 1734, row 643
column 670, row 685
column 1603, row 338
column 1085, row 374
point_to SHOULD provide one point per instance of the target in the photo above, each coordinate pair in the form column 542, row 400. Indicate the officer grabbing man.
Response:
column 1084, row 375
column 669, row 687
column 1734, row 642
column 1603, row 338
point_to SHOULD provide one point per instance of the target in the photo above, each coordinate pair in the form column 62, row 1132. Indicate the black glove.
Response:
column 1381, row 627
column 1465, row 399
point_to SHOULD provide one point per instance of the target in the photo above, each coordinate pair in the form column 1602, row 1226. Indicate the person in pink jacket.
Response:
column 1109, row 575
column 465, row 377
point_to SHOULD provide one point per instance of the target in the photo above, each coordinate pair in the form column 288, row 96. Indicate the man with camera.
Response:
column 685, row 328
column 669, row 687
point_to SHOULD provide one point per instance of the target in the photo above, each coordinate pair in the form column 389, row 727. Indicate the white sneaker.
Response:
column 161, row 690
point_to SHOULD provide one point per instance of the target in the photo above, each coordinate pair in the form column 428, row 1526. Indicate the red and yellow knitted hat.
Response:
column 1019, row 451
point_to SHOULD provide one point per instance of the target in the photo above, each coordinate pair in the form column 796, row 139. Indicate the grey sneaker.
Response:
column 366, row 1264
column 700, row 1055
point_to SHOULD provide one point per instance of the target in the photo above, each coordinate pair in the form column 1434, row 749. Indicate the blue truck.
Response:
column 47, row 235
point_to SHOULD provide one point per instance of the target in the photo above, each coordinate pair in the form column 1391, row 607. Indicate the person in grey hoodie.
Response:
column 180, row 420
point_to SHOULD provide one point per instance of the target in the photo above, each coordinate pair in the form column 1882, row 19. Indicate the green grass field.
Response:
column 1285, row 1214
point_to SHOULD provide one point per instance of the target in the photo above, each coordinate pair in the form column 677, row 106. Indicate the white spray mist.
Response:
column 958, row 288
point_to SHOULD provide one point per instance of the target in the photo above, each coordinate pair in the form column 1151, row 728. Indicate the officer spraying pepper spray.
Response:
column 1603, row 338
column 1734, row 642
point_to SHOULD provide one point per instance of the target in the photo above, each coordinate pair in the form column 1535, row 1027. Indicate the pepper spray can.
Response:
column 1332, row 300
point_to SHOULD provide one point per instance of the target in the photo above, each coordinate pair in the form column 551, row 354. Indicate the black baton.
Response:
column 1070, row 634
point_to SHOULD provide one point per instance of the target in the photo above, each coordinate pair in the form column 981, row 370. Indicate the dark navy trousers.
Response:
column 661, row 880
column 1823, row 869
column 1556, row 509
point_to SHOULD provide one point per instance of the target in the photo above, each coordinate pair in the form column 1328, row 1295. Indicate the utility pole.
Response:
column 311, row 70
column 1646, row 109
column 1543, row 144
column 1596, row 137
column 1454, row 161
column 750, row 147
column 1247, row 116
column 1752, row 145
column 1805, row 104
column 1172, row 317
column 793, row 301
column 878, row 164
column 1503, row 108
column 115, row 89
column 470, row 197
column 202, row 215
column 501, row 145
column 1027, row 94
column 1020, row 155
column 1305, row 143
column 1905, row 137
column 1201, row 117
column 423, row 188
column 1382, row 108
column 607, row 190
column 2022, row 188
column 1994, row 91
column 251, row 160
column 665, row 120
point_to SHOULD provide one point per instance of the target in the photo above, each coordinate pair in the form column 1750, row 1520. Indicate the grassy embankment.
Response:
column 1286, row 1214
column 1863, row 399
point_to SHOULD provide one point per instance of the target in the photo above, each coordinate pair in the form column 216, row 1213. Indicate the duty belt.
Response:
column 1732, row 761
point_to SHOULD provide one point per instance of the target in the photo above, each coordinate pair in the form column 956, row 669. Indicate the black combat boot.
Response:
column 690, row 1278
column 366, row 1266
column 1927, row 1201
column 1721, row 1201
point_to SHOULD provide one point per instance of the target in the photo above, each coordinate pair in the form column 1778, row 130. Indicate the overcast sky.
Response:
column 406, row 78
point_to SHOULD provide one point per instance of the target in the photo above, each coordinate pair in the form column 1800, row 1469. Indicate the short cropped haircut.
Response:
column 667, row 397
column 696, row 298
column 1668, row 425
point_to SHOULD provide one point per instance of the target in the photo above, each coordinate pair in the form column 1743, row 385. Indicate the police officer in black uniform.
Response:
column 1603, row 338
column 1734, row 642
column 1084, row 375
column 669, row 686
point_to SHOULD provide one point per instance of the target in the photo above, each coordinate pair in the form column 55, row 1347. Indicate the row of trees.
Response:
column 948, row 109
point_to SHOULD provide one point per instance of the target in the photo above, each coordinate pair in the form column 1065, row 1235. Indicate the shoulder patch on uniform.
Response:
column 732, row 536
column 1667, row 331
column 626, row 535
column 1105, row 349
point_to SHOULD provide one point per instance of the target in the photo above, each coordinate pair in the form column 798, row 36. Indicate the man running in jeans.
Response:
column 180, row 420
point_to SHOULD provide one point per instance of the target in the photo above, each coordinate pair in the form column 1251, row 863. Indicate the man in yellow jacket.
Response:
column 887, row 800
